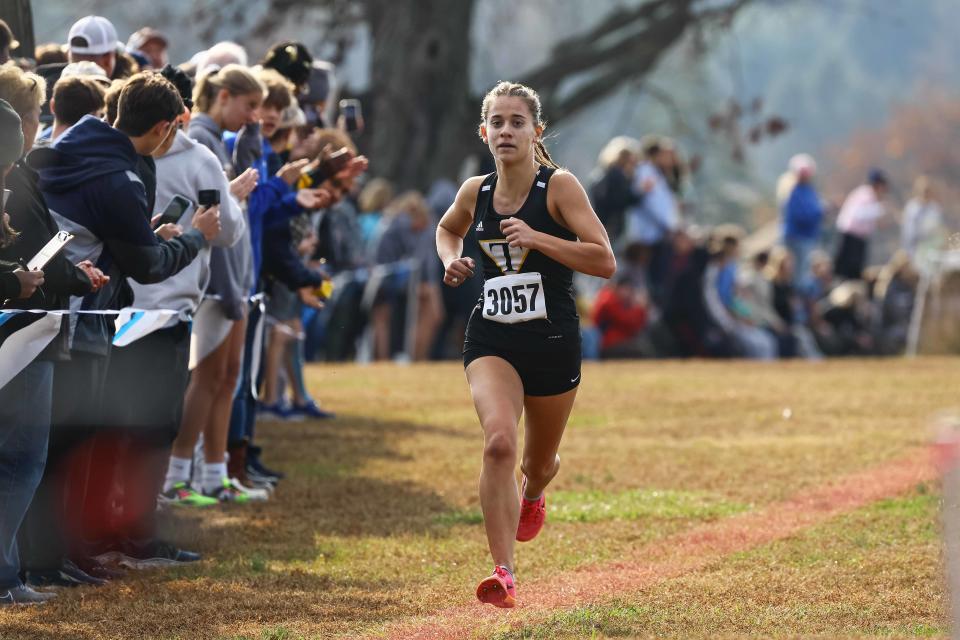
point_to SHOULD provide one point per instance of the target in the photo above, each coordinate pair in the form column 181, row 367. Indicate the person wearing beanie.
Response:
column 292, row 60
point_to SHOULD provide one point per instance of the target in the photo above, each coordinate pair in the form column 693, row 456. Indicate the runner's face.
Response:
column 510, row 130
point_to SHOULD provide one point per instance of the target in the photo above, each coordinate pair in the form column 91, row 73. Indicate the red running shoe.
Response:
column 499, row 589
column 533, row 513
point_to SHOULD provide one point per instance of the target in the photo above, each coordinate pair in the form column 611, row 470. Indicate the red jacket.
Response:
column 617, row 320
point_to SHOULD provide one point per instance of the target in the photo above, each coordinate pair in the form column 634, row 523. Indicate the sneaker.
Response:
column 254, row 464
column 275, row 411
column 257, row 481
column 24, row 595
column 499, row 589
column 182, row 495
column 311, row 411
column 97, row 569
column 148, row 554
column 228, row 493
column 533, row 513
column 68, row 575
column 254, row 494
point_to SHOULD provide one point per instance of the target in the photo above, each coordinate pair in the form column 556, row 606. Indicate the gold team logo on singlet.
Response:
column 509, row 259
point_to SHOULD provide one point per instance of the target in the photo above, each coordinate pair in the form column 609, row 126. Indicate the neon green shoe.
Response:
column 181, row 495
column 228, row 492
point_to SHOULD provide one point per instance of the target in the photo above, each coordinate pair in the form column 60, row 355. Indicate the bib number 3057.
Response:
column 514, row 298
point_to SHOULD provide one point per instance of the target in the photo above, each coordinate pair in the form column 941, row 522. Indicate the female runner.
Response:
column 535, row 227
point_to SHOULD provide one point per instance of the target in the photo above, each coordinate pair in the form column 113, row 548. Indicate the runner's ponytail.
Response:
column 542, row 156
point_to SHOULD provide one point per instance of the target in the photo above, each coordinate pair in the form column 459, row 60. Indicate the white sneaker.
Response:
column 255, row 495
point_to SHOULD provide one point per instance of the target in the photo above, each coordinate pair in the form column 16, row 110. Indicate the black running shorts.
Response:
column 543, row 373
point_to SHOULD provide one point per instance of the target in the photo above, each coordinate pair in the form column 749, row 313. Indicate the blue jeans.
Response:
column 800, row 248
column 24, row 432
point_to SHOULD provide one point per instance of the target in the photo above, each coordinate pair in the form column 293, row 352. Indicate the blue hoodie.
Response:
column 802, row 213
column 90, row 182
column 272, row 202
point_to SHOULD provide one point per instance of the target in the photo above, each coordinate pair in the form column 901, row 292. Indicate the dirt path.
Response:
column 678, row 554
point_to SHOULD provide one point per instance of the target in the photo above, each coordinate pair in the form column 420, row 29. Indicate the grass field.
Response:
column 377, row 528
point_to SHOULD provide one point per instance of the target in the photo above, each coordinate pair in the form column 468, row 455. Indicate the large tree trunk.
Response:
column 19, row 17
column 422, row 123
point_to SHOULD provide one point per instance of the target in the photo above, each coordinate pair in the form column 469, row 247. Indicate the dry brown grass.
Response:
column 376, row 520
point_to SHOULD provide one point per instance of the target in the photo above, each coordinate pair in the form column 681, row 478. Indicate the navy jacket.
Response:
column 282, row 262
column 90, row 182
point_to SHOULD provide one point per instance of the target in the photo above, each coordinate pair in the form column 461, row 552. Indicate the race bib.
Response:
column 513, row 298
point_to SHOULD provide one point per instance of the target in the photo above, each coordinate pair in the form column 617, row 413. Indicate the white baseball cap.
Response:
column 85, row 68
column 92, row 35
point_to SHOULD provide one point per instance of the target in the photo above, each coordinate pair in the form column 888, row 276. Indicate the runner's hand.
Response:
column 518, row 233
column 458, row 270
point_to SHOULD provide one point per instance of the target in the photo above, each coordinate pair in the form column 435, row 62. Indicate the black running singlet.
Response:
column 500, row 315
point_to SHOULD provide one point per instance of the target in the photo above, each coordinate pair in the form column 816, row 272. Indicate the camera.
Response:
column 208, row 197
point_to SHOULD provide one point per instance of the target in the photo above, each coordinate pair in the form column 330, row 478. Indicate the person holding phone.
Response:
column 25, row 402
column 351, row 118
column 191, row 180
column 535, row 227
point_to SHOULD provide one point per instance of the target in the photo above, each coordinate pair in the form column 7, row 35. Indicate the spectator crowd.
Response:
column 687, row 291
column 226, row 203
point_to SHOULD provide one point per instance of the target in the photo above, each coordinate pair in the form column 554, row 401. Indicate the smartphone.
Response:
column 174, row 210
column 52, row 248
column 208, row 197
column 6, row 194
column 334, row 163
column 350, row 110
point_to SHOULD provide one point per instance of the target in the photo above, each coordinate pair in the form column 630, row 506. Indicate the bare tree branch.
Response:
column 626, row 45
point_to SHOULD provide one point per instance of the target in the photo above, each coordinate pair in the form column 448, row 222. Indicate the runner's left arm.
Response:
column 591, row 253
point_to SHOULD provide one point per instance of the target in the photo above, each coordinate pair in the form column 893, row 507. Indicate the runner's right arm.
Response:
column 453, row 227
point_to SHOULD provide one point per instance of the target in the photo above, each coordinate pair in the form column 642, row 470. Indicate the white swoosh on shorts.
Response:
column 573, row 380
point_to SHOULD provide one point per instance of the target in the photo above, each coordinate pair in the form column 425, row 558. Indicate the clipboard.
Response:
column 49, row 250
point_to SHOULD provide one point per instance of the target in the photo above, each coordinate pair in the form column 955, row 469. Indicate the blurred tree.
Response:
column 920, row 138
column 422, row 116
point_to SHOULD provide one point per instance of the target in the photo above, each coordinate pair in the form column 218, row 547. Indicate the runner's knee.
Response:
column 500, row 448
column 538, row 468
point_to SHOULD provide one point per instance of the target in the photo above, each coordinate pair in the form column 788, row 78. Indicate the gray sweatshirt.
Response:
column 231, row 269
column 186, row 169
